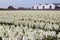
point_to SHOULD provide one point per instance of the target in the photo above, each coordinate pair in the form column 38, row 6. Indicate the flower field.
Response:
column 29, row 25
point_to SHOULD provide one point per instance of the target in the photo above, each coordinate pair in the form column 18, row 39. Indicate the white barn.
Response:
column 44, row 6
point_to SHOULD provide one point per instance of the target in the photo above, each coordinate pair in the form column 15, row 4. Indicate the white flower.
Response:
column 1, row 27
column 25, row 38
column 10, row 33
column 58, row 35
column 48, row 26
column 12, row 27
column 50, row 33
column 37, row 24
column 53, row 33
column 1, row 33
column 56, row 26
column 41, row 31
column 41, row 36
column 19, row 37
column 42, row 24
column 46, row 34
column 30, row 24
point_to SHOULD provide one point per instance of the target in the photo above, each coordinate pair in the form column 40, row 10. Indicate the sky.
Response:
column 24, row 3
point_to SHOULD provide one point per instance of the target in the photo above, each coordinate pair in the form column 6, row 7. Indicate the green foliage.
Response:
column 0, row 38
column 6, row 23
column 51, row 38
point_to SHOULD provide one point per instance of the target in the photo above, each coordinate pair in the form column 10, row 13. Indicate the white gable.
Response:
column 44, row 6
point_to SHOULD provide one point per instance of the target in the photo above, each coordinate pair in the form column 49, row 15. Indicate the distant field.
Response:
column 37, row 15
column 30, row 25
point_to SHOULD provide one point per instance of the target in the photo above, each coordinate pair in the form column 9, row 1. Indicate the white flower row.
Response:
column 29, row 33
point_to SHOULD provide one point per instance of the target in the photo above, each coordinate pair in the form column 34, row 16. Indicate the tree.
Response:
column 1, row 8
column 11, row 8
column 57, row 7
column 20, row 8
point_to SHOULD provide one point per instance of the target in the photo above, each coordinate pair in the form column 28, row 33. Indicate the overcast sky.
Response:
column 24, row 3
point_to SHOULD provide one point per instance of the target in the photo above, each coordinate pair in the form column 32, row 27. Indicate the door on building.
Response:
column 37, row 8
column 50, row 7
column 43, row 7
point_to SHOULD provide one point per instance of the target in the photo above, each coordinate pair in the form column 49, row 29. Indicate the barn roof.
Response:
column 56, row 3
column 51, row 3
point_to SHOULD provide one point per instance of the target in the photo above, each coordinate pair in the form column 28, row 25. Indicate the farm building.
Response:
column 47, row 6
